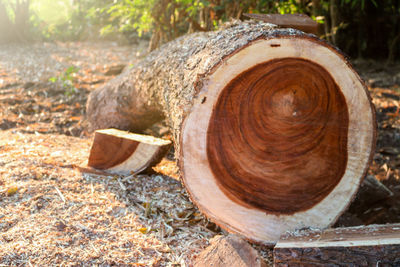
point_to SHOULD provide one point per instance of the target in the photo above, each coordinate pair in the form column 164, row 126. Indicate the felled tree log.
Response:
column 373, row 245
column 296, row 21
column 273, row 128
column 122, row 152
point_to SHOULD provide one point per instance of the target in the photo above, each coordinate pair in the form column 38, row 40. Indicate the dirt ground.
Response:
column 52, row 213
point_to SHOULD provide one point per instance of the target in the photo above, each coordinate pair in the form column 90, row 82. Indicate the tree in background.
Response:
column 165, row 20
column 14, row 20
column 361, row 28
column 6, row 33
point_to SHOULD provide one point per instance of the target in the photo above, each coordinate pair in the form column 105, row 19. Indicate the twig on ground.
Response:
column 60, row 194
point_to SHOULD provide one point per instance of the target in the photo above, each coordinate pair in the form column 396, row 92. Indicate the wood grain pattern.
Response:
column 200, row 178
column 277, row 139
column 108, row 151
column 123, row 152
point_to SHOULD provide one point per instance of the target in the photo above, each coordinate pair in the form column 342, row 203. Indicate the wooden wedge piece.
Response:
column 122, row 152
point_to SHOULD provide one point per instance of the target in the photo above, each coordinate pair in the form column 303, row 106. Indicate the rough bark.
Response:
column 373, row 245
column 273, row 129
column 228, row 251
column 122, row 152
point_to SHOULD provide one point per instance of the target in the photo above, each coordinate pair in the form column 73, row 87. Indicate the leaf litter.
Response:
column 62, row 216
column 51, row 213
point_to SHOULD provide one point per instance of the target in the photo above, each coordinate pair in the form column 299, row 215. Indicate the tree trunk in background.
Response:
column 392, row 49
column 7, row 32
column 22, row 16
column 316, row 11
column 17, row 30
column 333, row 9
column 267, row 133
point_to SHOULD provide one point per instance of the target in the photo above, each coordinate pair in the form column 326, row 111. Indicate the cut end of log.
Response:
column 123, row 152
column 280, row 135
column 277, row 138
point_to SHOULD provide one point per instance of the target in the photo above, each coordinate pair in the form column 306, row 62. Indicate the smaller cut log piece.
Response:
column 229, row 251
column 296, row 21
column 373, row 245
column 122, row 152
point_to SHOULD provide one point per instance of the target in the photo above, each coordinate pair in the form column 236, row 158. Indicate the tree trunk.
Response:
column 273, row 129
column 21, row 20
column 333, row 9
column 7, row 31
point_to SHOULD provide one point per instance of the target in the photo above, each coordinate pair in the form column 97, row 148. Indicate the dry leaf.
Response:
column 143, row 230
column 75, row 118
column 12, row 191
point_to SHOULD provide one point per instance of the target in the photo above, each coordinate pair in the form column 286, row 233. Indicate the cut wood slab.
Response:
column 296, row 21
column 273, row 128
column 229, row 251
column 372, row 245
column 122, row 152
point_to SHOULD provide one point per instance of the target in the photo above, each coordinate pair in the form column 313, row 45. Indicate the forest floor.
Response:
column 52, row 213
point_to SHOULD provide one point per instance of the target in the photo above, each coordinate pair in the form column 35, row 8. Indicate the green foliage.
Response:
column 128, row 16
column 168, row 19
column 66, row 79
column 350, row 24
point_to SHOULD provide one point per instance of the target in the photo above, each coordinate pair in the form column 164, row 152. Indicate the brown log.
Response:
column 296, row 21
column 229, row 251
column 122, row 152
column 373, row 245
column 273, row 128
